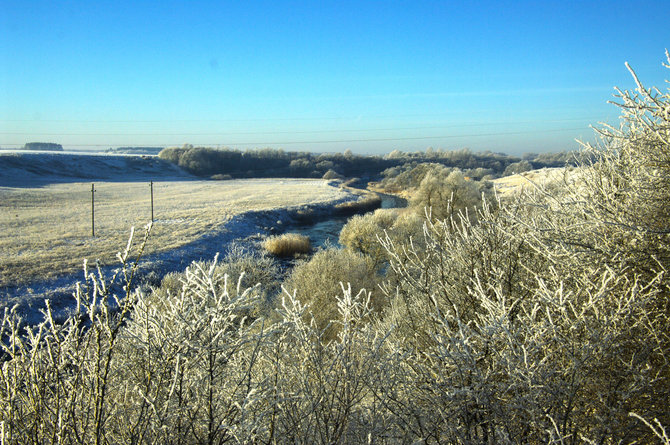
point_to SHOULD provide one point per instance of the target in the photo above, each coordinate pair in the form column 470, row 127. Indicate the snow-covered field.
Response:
column 45, row 216
column 35, row 168
column 509, row 185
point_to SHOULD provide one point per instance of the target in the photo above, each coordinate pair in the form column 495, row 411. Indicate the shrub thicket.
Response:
column 444, row 195
column 517, row 167
column 318, row 282
column 244, row 269
column 361, row 232
column 330, row 174
column 553, row 310
column 365, row 202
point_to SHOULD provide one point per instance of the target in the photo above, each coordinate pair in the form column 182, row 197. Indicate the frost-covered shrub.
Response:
column 190, row 363
column 332, row 174
column 59, row 381
column 625, row 184
column 364, row 203
column 362, row 233
column 251, row 268
column 517, row 167
column 318, row 282
column 170, row 283
column 550, row 314
column 330, row 390
column 410, row 175
column 513, row 341
column 556, row 364
column 435, row 269
column 191, row 367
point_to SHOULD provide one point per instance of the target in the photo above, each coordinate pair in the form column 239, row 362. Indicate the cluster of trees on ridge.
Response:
column 543, row 318
column 46, row 146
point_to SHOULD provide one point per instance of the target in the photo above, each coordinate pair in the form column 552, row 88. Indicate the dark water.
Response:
column 328, row 232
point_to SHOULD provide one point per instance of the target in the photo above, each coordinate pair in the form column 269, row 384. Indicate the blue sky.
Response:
column 318, row 76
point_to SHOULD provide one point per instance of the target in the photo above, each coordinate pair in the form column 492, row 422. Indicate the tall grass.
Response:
column 288, row 244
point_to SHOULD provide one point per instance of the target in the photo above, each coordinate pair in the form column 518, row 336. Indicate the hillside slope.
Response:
column 21, row 169
column 509, row 185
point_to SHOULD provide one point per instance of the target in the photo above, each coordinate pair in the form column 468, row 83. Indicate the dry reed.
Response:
column 287, row 244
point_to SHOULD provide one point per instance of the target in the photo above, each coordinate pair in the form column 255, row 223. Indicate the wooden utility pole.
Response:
column 93, row 210
column 152, row 201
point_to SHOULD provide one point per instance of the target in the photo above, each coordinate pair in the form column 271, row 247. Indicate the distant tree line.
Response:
column 267, row 162
column 46, row 146
column 135, row 150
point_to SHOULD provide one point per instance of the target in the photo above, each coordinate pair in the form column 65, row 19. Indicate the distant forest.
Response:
column 135, row 150
column 229, row 164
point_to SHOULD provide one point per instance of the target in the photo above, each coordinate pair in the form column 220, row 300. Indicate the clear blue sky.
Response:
column 524, row 76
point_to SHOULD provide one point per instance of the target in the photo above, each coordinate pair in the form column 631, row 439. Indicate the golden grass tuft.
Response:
column 287, row 244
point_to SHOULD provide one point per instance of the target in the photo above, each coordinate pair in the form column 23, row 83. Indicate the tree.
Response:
column 445, row 195
column 517, row 167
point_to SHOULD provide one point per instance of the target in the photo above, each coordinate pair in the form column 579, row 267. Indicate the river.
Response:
column 327, row 232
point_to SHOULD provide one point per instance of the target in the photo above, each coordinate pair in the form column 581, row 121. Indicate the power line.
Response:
column 274, row 119
column 412, row 138
column 238, row 133
column 335, row 141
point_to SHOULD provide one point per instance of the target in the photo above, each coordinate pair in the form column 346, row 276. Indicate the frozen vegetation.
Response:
column 537, row 317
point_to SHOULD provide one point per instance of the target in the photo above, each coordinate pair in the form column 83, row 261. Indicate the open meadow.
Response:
column 46, row 231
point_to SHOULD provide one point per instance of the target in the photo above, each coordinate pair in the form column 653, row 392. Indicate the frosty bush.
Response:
column 57, row 381
column 318, row 282
column 331, row 391
column 445, row 195
column 190, row 361
column 191, row 367
column 626, row 185
column 365, row 202
column 332, row 174
column 517, row 167
column 249, row 267
column 361, row 233
column 550, row 315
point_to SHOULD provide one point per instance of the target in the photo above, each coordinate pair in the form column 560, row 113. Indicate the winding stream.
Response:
column 328, row 231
